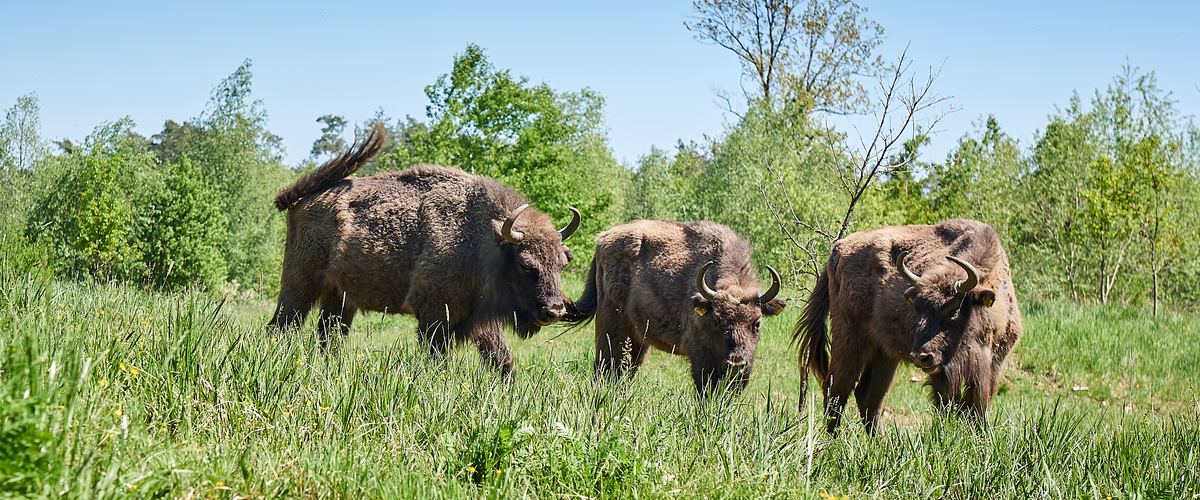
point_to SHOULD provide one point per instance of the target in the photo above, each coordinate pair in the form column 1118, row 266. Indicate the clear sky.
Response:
column 91, row 62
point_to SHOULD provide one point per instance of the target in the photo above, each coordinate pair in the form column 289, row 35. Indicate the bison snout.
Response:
column 736, row 361
column 926, row 361
column 551, row 314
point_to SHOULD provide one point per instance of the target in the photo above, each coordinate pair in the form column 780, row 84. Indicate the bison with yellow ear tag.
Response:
column 687, row 288
column 940, row 297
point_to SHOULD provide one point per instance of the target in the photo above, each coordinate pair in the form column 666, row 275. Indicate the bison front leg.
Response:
column 872, row 387
column 436, row 335
column 489, row 340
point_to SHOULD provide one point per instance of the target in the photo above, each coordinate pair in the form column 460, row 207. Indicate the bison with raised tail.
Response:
column 940, row 297
column 649, row 287
column 460, row 252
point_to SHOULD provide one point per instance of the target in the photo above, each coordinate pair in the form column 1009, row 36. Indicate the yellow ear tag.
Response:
column 701, row 310
column 987, row 302
column 909, row 299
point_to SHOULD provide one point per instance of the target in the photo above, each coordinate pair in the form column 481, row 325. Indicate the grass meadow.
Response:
column 109, row 391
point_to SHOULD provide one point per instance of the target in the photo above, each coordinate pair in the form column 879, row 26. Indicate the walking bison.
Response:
column 940, row 297
column 649, row 287
column 460, row 252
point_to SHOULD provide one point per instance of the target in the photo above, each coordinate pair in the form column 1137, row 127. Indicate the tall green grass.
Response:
column 114, row 392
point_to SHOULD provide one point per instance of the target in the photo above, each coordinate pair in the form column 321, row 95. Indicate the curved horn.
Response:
column 705, row 291
column 507, row 232
column 908, row 276
column 774, row 290
column 961, row 287
column 566, row 232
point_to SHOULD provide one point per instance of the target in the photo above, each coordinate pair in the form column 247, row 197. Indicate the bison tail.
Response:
column 584, row 309
column 810, row 331
column 333, row 171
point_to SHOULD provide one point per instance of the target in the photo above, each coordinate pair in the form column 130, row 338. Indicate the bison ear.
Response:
column 987, row 297
column 774, row 307
column 910, row 294
column 700, row 304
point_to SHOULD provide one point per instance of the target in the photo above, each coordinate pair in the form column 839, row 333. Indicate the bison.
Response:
column 460, row 252
column 940, row 297
column 648, row 286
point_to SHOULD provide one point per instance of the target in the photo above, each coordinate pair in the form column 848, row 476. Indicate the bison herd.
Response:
column 466, row 255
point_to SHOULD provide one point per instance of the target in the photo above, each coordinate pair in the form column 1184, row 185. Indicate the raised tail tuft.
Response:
column 333, row 171
column 810, row 331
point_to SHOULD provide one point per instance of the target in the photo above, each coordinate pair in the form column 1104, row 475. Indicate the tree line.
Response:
column 1098, row 206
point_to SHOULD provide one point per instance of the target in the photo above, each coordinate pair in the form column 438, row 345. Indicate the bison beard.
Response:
column 462, row 253
column 648, row 287
column 958, row 331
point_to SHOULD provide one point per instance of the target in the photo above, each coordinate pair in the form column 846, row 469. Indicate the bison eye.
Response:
column 526, row 269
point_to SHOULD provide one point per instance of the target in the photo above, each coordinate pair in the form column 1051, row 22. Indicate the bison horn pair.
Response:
column 960, row 287
column 515, row 237
column 708, row 293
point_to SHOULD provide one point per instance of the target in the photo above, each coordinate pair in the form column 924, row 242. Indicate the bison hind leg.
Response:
column 844, row 372
column 336, row 313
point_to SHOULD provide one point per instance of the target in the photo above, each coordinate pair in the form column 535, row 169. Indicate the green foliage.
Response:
column 88, row 211
column 185, row 242
column 771, row 178
column 1102, row 187
column 548, row 145
column 21, row 145
column 241, row 159
column 330, row 143
column 664, row 187
column 22, row 150
column 190, row 206
column 770, row 154
column 977, row 180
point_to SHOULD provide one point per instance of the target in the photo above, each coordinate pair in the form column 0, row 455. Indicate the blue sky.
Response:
column 91, row 62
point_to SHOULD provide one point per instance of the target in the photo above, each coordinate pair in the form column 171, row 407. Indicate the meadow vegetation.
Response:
column 138, row 273
column 109, row 390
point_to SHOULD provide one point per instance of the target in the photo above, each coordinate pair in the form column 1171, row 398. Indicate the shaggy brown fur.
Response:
column 878, row 320
column 426, row 241
column 642, row 290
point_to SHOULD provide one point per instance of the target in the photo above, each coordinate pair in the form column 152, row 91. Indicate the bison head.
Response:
column 730, row 320
column 953, row 328
column 532, row 267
